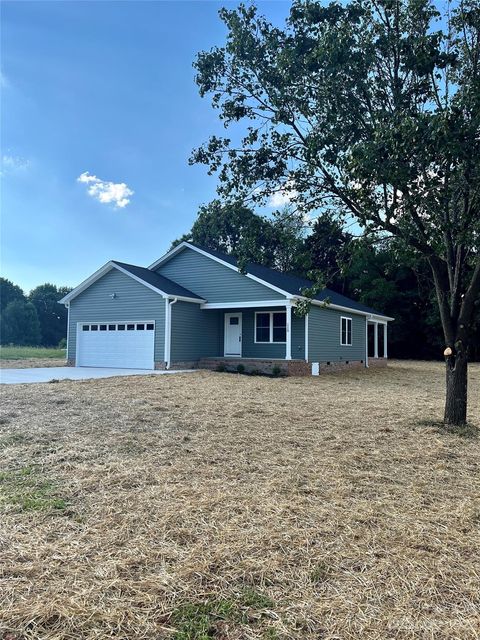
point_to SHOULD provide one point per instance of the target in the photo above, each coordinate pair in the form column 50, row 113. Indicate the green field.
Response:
column 26, row 353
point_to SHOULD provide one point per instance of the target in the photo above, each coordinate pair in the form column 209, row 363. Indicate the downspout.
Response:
column 67, row 305
column 168, row 329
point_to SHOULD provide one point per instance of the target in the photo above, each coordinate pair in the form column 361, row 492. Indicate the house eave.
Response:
column 113, row 265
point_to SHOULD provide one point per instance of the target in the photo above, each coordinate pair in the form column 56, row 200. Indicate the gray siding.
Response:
column 133, row 301
column 298, row 337
column 212, row 280
column 250, row 349
column 196, row 333
column 324, row 336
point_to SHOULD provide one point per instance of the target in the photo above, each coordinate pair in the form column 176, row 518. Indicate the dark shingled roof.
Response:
column 156, row 280
column 290, row 283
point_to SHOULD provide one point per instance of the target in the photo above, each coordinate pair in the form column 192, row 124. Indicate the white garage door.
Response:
column 127, row 345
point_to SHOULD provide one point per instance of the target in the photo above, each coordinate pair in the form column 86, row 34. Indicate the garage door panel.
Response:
column 130, row 349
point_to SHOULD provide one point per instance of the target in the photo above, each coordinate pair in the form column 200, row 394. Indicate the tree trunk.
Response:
column 456, row 398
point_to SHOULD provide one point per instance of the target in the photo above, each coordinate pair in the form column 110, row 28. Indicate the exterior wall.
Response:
column 212, row 280
column 250, row 349
column 324, row 336
column 195, row 333
column 133, row 302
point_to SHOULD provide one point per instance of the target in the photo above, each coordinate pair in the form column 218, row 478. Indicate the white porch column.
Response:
column 385, row 340
column 288, row 346
column 366, row 342
column 375, row 355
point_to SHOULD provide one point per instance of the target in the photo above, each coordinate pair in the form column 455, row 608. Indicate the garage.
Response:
column 128, row 345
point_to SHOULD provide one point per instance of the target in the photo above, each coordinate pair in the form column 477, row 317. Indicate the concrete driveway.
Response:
column 45, row 374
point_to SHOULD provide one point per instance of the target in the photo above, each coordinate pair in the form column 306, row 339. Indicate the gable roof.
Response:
column 286, row 283
column 158, row 283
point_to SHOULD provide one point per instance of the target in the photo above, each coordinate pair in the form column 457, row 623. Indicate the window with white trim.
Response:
column 345, row 332
column 271, row 326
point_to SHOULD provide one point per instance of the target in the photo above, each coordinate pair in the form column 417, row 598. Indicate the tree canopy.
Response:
column 367, row 109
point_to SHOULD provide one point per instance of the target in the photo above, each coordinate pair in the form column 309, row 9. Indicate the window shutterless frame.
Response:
column 345, row 331
column 270, row 327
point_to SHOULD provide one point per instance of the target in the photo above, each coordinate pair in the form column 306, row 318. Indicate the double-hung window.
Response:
column 345, row 332
column 270, row 326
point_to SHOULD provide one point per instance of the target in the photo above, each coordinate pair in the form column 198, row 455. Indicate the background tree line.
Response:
column 373, row 269
column 35, row 319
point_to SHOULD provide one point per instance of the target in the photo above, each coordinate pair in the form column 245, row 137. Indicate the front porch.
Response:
column 376, row 343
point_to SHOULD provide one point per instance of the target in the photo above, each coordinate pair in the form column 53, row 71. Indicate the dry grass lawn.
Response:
column 221, row 506
column 28, row 363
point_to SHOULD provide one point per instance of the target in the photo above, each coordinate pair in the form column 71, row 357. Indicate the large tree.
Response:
column 52, row 316
column 9, row 292
column 368, row 109
column 20, row 324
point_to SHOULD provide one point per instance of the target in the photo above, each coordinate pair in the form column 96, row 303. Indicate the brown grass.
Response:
column 28, row 363
column 221, row 506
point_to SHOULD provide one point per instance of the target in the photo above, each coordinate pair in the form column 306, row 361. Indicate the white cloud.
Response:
column 284, row 196
column 116, row 193
column 10, row 163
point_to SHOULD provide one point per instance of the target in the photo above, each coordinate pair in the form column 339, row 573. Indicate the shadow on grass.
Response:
column 467, row 430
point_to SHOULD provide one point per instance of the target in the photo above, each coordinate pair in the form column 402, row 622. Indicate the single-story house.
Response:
column 194, row 307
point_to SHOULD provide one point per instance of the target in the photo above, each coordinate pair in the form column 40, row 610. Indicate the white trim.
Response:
column 184, row 245
column 306, row 337
column 227, row 316
column 112, row 265
column 288, row 346
column 366, row 343
column 168, row 331
column 270, row 341
column 385, row 340
column 337, row 307
column 346, row 344
column 243, row 305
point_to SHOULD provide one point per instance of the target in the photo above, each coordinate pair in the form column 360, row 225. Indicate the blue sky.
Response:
column 104, row 89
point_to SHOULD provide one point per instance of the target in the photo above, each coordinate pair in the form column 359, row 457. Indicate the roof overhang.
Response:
column 186, row 245
column 112, row 265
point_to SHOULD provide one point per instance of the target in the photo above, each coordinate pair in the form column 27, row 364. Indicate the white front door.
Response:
column 233, row 334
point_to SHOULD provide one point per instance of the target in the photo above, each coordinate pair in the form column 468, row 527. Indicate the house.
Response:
column 195, row 308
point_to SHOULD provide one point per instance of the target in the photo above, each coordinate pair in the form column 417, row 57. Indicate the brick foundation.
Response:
column 281, row 367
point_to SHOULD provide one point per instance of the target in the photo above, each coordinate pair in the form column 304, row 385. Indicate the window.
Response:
column 279, row 326
column 94, row 327
column 262, row 327
column 140, row 327
column 149, row 327
column 346, row 332
column 271, row 326
column 85, row 327
column 234, row 320
column 112, row 327
column 103, row 327
column 130, row 327
column 121, row 327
